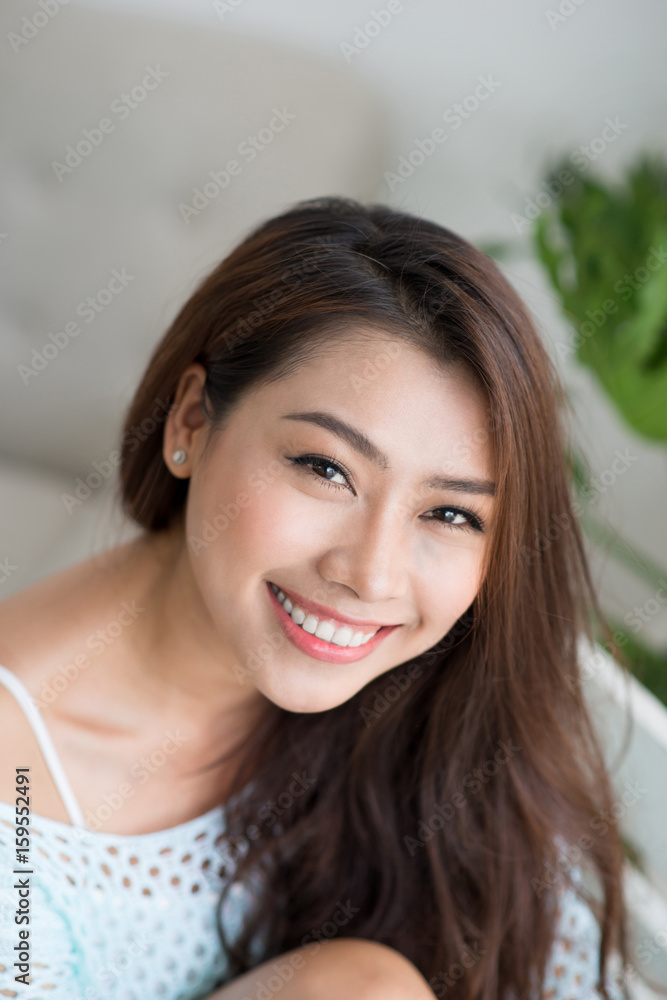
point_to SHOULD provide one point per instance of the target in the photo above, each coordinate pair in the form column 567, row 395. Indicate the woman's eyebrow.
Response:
column 357, row 440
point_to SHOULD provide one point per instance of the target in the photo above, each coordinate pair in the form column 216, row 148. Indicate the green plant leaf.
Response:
column 603, row 250
column 649, row 666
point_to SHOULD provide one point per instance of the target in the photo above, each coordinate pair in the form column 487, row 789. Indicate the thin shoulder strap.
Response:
column 24, row 698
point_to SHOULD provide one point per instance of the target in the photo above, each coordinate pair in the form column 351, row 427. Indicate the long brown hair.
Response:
column 434, row 805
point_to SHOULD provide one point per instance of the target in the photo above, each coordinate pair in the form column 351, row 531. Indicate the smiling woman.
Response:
column 363, row 441
column 375, row 565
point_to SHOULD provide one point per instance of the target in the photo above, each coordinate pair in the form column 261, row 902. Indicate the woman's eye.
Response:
column 459, row 519
column 327, row 464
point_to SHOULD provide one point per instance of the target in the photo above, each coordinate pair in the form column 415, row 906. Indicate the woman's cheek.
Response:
column 454, row 584
column 285, row 522
column 267, row 525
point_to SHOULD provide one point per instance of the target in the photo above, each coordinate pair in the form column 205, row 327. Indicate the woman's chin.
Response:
column 293, row 695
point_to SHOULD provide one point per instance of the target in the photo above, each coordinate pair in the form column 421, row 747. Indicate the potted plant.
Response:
column 603, row 248
column 604, row 251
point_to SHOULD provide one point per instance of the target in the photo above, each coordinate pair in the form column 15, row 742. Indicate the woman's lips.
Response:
column 321, row 611
column 319, row 649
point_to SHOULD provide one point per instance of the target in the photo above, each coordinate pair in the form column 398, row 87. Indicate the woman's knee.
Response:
column 365, row 970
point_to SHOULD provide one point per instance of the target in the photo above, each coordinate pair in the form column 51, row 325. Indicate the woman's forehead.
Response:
column 394, row 404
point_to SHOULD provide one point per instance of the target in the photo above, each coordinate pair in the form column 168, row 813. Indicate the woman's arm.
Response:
column 331, row 970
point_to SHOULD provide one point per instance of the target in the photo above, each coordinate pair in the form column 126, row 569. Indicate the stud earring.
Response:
column 178, row 457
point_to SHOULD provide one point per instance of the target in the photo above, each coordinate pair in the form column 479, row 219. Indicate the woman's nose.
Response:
column 371, row 557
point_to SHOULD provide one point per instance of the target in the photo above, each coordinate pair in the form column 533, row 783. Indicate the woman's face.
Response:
column 319, row 486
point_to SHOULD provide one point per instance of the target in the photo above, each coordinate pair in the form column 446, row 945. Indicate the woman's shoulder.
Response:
column 34, row 625
column 39, row 624
column 40, row 627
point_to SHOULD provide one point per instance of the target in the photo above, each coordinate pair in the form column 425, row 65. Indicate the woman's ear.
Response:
column 186, row 426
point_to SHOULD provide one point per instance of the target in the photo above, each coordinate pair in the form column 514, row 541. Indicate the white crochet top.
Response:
column 132, row 917
column 113, row 916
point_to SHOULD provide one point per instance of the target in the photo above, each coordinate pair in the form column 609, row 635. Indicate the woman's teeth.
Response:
column 325, row 630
